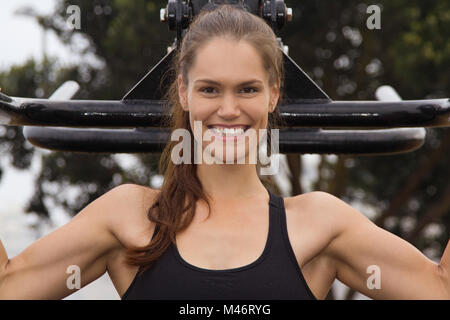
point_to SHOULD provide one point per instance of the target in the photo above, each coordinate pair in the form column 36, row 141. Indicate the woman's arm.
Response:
column 3, row 261
column 378, row 263
column 42, row 270
column 444, row 268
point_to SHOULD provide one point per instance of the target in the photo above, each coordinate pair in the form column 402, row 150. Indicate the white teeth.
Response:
column 228, row 131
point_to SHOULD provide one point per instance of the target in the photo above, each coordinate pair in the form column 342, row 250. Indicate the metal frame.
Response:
column 137, row 122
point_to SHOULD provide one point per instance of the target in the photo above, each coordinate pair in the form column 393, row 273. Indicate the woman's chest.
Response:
column 235, row 243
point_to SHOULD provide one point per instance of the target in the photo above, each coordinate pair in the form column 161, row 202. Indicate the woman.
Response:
column 214, row 231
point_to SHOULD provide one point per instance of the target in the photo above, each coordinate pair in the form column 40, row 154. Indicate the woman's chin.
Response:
column 220, row 157
column 242, row 151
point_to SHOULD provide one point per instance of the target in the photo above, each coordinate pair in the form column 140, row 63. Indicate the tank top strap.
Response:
column 275, row 200
column 276, row 215
column 277, row 227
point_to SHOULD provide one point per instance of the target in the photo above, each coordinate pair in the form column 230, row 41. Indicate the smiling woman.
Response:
column 229, row 78
column 240, row 103
column 214, row 231
column 218, row 232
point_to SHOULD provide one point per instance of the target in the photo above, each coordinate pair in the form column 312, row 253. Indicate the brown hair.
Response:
column 174, row 207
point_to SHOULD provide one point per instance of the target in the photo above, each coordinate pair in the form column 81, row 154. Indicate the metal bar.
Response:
column 150, row 113
column 368, row 114
column 296, row 140
column 81, row 113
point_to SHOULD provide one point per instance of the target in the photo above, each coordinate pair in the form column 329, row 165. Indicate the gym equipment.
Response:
column 314, row 122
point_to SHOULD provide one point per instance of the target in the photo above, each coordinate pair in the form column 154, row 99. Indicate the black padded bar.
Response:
column 376, row 142
column 147, row 113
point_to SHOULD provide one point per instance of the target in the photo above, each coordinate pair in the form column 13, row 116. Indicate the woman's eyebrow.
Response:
column 241, row 84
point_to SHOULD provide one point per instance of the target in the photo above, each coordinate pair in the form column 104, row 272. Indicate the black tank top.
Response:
column 275, row 275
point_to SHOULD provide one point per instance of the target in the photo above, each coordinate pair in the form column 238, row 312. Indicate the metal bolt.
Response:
column 162, row 15
column 289, row 14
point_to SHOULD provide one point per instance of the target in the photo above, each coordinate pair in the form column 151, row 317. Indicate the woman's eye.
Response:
column 254, row 89
column 206, row 88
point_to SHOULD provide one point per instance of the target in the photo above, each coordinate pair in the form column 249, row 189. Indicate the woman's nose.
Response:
column 229, row 107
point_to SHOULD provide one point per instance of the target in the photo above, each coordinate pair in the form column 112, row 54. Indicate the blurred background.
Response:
column 118, row 43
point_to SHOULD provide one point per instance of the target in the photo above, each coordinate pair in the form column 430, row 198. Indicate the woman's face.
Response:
column 228, row 86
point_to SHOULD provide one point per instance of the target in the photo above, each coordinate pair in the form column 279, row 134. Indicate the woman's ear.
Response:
column 274, row 96
column 182, row 93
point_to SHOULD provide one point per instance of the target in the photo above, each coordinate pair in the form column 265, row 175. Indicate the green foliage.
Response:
column 126, row 35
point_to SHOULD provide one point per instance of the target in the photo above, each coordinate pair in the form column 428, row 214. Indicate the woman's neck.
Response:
column 225, row 182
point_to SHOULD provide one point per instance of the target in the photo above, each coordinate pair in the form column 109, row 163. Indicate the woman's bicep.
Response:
column 378, row 263
column 76, row 252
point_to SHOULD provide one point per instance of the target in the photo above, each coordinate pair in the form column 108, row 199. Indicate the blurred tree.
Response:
column 111, row 32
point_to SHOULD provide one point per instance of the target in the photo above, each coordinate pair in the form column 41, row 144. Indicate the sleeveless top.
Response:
column 275, row 275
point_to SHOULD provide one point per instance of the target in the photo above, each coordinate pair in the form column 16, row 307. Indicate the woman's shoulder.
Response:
column 135, row 194
column 318, row 208
column 314, row 200
column 132, row 198
column 132, row 188
column 129, row 222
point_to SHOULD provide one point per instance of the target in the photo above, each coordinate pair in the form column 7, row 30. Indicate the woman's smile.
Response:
column 233, row 133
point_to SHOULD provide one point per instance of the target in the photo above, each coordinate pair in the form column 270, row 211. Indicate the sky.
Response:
column 21, row 39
